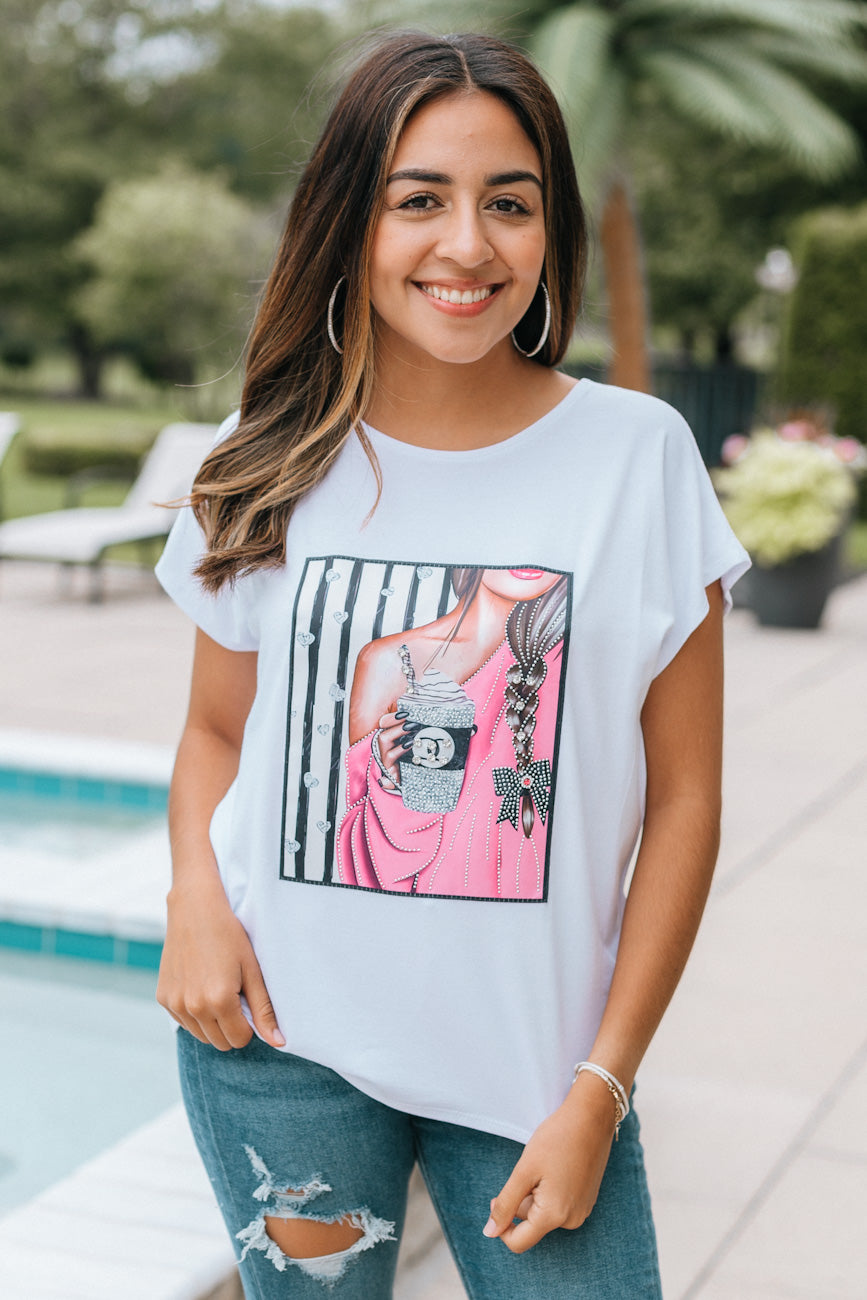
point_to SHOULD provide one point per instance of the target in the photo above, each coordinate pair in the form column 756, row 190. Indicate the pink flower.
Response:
column 797, row 431
column 848, row 449
column 733, row 448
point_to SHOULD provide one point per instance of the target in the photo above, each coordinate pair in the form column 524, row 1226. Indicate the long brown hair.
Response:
column 301, row 399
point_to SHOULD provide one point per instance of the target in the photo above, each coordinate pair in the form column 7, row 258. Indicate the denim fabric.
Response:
column 280, row 1135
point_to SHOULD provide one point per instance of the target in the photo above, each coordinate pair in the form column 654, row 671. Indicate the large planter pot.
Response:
column 794, row 594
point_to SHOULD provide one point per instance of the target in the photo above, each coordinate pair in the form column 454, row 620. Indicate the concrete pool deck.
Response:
column 753, row 1094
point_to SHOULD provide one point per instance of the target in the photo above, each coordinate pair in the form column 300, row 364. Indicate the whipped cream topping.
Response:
column 436, row 688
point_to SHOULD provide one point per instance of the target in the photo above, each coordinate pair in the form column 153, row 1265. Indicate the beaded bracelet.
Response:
column 615, row 1087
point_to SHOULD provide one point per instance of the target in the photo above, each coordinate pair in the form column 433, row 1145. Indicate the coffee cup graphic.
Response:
column 439, row 717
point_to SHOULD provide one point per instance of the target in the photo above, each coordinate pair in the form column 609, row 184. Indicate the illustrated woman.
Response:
column 450, row 776
column 458, row 650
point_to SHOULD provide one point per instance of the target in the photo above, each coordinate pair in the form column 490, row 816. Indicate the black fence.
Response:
column 715, row 400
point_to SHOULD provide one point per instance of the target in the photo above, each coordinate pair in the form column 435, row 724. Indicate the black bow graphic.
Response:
column 533, row 780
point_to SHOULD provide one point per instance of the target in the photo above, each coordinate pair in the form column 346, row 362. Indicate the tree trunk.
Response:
column 89, row 360
column 627, row 300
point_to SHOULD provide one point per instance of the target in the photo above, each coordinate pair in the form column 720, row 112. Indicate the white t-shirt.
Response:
column 438, row 922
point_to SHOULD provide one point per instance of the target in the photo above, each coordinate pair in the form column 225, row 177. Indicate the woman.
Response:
column 404, row 441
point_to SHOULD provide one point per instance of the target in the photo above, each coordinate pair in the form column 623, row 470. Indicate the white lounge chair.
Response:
column 10, row 423
column 82, row 536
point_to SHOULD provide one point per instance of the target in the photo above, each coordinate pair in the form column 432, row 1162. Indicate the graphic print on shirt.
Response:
column 422, row 727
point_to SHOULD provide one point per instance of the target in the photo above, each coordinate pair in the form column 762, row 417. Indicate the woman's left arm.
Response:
column 556, row 1181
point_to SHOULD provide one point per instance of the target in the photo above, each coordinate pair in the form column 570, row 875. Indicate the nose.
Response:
column 463, row 240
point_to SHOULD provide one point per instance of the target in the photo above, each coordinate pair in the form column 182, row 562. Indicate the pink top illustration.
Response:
column 449, row 793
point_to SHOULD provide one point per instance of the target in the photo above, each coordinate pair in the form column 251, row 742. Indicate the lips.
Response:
column 527, row 575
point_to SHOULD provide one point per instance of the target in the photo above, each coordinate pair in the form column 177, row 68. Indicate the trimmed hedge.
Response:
column 65, row 458
column 825, row 331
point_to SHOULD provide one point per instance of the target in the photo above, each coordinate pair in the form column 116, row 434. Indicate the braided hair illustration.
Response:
column 533, row 628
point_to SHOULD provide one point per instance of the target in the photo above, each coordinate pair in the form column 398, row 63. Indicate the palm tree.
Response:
column 732, row 65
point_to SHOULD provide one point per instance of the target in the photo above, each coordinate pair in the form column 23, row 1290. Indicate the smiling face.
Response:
column 460, row 244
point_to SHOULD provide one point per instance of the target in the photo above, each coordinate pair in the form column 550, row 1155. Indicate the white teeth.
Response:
column 457, row 296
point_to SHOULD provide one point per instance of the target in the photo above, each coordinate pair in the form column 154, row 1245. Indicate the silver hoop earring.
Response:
column 545, row 331
column 330, row 318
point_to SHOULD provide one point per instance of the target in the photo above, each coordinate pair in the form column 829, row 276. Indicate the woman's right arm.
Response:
column 208, row 961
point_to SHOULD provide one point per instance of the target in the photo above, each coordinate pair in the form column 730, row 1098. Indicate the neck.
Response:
column 452, row 407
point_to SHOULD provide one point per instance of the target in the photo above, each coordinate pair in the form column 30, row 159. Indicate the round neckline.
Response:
column 383, row 441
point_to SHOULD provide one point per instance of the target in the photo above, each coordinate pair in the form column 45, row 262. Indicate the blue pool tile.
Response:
column 143, row 955
column 90, row 790
column 78, row 943
column 46, row 784
column 132, row 796
column 13, row 934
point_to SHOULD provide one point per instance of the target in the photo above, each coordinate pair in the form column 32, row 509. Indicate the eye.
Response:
column 418, row 203
column 510, row 207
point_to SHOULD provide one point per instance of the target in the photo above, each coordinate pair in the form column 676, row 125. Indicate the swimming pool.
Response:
column 73, row 816
column 84, row 867
column 84, row 855
column 87, row 1057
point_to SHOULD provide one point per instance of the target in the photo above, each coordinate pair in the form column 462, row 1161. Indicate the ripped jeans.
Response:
column 284, row 1138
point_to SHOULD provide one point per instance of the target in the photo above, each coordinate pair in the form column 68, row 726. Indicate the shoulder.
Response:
column 633, row 411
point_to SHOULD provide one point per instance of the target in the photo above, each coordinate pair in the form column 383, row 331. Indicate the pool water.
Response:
column 88, row 1056
column 34, row 823
column 73, row 817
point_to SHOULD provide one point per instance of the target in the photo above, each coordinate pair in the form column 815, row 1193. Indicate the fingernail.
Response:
column 278, row 1038
column 404, row 713
column 490, row 1229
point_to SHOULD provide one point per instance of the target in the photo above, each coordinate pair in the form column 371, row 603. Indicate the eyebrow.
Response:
column 439, row 178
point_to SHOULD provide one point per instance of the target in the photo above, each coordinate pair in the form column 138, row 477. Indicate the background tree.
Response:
column 711, row 207
column 735, row 67
column 95, row 91
column 825, row 335
column 174, row 256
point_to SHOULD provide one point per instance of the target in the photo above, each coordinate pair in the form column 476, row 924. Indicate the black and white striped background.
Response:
column 342, row 604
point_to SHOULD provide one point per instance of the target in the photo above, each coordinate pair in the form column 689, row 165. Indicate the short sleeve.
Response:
column 229, row 617
column 695, row 545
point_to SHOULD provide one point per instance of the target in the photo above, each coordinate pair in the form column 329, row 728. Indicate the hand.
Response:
column 395, row 739
column 557, row 1178
column 207, row 963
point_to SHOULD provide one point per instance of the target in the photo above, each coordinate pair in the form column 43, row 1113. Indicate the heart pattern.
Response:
column 324, row 826
column 310, row 780
column 332, row 575
column 340, row 616
column 387, row 591
column 323, row 728
column 337, row 692
column 305, row 638
column 292, row 846
column 425, row 571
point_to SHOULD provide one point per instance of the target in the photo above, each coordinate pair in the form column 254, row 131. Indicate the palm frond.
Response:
column 596, row 137
column 837, row 19
column 707, row 96
column 750, row 98
column 837, row 62
column 572, row 48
